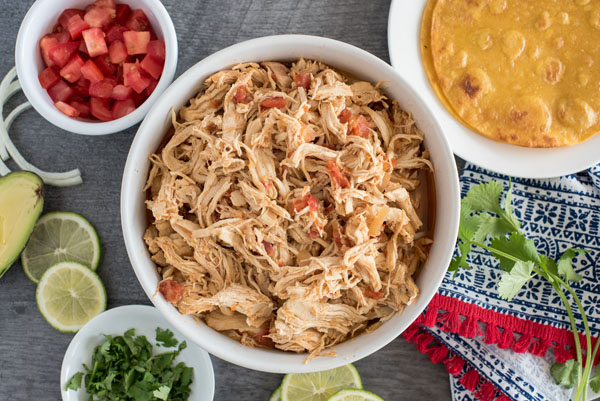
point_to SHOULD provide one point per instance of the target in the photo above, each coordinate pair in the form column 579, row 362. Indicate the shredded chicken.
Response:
column 287, row 206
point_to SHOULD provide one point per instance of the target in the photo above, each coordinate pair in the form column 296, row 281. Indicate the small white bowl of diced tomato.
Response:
column 95, row 67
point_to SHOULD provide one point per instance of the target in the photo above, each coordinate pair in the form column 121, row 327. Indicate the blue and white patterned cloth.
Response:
column 558, row 214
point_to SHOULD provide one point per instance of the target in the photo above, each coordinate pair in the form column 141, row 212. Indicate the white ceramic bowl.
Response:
column 404, row 26
column 288, row 48
column 144, row 319
column 40, row 19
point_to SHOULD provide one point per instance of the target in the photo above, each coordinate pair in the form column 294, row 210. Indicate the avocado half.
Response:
column 21, row 203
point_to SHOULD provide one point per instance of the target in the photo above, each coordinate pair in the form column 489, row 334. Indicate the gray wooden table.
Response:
column 31, row 351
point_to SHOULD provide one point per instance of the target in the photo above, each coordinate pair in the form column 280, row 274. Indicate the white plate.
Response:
column 145, row 320
column 404, row 27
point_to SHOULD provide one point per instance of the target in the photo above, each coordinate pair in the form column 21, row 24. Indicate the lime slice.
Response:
column 319, row 386
column 69, row 295
column 276, row 396
column 355, row 395
column 60, row 237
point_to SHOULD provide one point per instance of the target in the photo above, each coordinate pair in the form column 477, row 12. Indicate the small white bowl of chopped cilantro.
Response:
column 133, row 353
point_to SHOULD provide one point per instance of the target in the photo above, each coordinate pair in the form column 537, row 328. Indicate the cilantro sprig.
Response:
column 124, row 368
column 488, row 222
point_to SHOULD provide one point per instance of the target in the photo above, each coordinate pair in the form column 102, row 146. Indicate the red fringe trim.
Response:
column 456, row 316
column 470, row 380
column 481, row 388
column 487, row 392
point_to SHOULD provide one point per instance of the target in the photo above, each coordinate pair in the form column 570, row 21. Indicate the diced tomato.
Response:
column 152, row 67
column 122, row 107
column 101, row 89
column 94, row 41
column 344, row 116
column 373, row 294
column 48, row 77
column 72, row 70
column 242, row 95
column 138, row 21
column 268, row 247
column 106, row 4
column 83, row 108
column 271, row 102
column 61, row 37
column 103, row 62
column 82, row 87
column 136, row 42
column 83, row 48
column 100, row 108
column 91, row 71
column 62, row 53
column 66, row 109
column 121, row 92
column 47, row 43
column 76, row 25
column 63, row 20
column 337, row 178
column 60, row 91
column 302, row 80
column 359, row 126
column 117, row 53
column 171, row 290
column 98, row 17
column 151, row 86
column 115, row 32
column 156, row 50
column 123, row 11
column 138, row 98
column 308, row 200
column 137, row 81
column 126, row 68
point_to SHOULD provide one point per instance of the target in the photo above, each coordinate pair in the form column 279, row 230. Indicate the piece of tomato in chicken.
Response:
column 242, row 95
column 337, row 178
column 308, row 200
column 357, row 125
column 171, row 290
column 273, row 102
column 302, row 80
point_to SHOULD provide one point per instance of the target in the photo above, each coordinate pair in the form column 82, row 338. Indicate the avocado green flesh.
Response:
column 21, row 203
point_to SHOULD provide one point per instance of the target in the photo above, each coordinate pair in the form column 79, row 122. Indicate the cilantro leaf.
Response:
column 508, row 209
column 565, row 374
column 165, row 337
column 162, row 393
column 512, row 281
column 595, row 380
column 461, row 260
column 565, row 265
column 75, row 382
column 488, row 225
column 517, row 246
column 484, row 197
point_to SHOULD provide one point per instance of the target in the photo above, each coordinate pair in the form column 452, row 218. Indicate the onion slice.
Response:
column 67, row 178
column 4, row 95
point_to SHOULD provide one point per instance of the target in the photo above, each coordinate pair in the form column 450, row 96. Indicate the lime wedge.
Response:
column 60, row 237
column 355, row 395
column 276, row 396
column 69, row 295
column 319, row 386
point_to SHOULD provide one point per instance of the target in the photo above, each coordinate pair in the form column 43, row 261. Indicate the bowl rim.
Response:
column 35, row 93
column 403, row 35
column 272, row 361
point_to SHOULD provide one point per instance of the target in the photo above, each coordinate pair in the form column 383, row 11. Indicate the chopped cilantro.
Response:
column 123, row 368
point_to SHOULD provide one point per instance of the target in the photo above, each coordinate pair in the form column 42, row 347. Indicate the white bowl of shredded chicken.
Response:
column 290, row 204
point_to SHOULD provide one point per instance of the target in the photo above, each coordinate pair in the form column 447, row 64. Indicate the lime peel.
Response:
column 319, row 386
column 69, row 295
